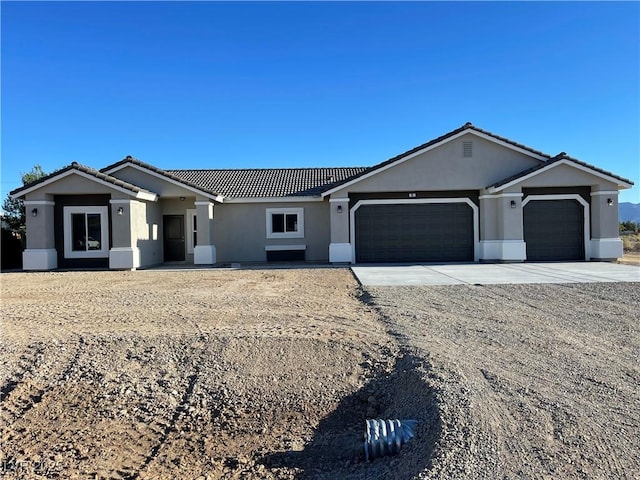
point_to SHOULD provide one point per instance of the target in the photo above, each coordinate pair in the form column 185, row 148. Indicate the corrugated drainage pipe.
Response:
column 386, row 437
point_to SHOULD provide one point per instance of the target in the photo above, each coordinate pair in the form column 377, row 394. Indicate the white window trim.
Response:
column 287, row 211
column 104, row 231
column 190, row 214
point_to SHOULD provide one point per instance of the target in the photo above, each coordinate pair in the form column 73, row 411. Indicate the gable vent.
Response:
column 467, row 150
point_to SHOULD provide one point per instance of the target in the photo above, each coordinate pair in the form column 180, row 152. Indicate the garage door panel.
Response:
column 414, row 233
column 554, row 230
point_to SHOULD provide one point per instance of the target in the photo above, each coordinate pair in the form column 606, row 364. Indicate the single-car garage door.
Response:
column 419, row 232
column 554, row 230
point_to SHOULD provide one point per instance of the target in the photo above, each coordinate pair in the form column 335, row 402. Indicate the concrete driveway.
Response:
column 493, row 273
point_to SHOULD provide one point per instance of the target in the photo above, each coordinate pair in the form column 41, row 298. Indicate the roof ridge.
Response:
column 272, row 169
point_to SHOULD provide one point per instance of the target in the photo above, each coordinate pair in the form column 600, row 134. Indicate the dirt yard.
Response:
column 271, row 373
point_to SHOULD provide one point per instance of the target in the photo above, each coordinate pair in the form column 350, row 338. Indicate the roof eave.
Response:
column 71, row 170
column 449, row 137
column 622, row 183
column 163, row 176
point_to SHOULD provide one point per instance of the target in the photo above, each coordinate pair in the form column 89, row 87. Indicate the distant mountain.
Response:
column 629, row 212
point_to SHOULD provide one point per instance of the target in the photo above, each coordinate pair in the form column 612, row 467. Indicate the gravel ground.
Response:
column 531, row 381
column 271, row 373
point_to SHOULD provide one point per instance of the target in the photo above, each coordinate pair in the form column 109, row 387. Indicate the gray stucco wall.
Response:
column 240, row 231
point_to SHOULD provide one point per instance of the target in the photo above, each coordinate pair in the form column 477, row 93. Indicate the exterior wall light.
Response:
column 339, row 208
column 513, row 204
column 34, row 212
column 609, row 202
column 120, row 210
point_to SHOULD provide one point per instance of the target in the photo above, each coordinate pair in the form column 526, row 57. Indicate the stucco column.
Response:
column 124, row 252
column 501, row 227
column 340, row 250
column 605, row 235
column 204, row 253
column 40, row 253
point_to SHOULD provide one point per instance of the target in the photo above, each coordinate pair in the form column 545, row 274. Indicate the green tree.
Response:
column 13, row 208
column 629, row 226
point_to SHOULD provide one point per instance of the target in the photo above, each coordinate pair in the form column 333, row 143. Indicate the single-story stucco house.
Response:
column 467, row 196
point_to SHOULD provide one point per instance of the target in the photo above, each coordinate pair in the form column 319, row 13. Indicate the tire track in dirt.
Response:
column 26, row 393
column 178, row 413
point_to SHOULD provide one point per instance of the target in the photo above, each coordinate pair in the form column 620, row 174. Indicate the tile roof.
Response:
column 88, row 170
column 165, row 173
column 557, row 158
column 271, row 182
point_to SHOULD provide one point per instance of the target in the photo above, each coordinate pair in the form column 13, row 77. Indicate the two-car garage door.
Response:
column 414, row 232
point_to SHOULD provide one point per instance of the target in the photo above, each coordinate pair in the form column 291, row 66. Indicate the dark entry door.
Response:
column 173, row 238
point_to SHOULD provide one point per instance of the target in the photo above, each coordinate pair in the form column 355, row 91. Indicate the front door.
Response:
column 173, row 238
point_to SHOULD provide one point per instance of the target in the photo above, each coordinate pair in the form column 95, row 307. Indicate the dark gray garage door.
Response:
column 434, row 232
column 554, row 230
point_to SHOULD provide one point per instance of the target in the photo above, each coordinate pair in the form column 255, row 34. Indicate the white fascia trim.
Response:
column 121, row 201
column 501, row 195
column 143, row 195
column 29, row 203
column 400, row 201
column 554, row 165
column 217, row 198
column 273, row 199
column 345, row 199
column 203, row 203
column 586, row 214
column 436, row 145
column 605, row 192
column 276, row 248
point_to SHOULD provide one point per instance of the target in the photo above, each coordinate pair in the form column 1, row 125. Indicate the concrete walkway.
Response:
column 493, row 273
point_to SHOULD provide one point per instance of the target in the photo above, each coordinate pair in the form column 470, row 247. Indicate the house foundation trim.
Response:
column 606, row 248
column 39, row 259
column 124, row 258
column 204, row 254
column 340, row 253
column 503, row 250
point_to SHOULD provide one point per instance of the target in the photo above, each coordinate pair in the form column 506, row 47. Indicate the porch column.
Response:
column 605, row 235
column 124, row 253
column 204, row 253
column 40, row 253
column 340, row 250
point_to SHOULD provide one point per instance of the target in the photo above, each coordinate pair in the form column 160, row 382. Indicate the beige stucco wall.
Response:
column 566, row 176
column 161, row 186
column 444, row 168
column 72, row 184
column 240, row 231
column 41, row 227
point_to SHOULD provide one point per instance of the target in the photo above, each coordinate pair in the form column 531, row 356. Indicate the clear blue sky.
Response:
column 275, row 84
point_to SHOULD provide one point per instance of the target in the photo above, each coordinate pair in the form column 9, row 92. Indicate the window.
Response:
column 192, row 230
column 86, row 232
column 285, row 223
